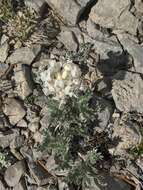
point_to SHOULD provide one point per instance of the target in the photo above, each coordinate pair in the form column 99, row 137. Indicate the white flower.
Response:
column 60, row 78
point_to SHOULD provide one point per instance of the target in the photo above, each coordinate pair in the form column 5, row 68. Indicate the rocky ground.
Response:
column 102, row 38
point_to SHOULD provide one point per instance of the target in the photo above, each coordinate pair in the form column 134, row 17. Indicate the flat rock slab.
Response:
column 14, row 110
column 14, row 173
column 114, row 14
column 68, row 9
column 68, row 38
column 135, row 50
column 127, row 91
column 24, row 55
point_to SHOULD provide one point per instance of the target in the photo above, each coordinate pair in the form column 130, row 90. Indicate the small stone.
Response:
column 22, row 123
column 51, row 165
column 127, row 91
column 4, row 39
column 6, row 139
column 17, row 142
column 14, row 110
column 4, row 51
column 34, row 124
column 38, row 137
column 25, row 133
column 35, row 5
column 14, row 173
column 3, row 69
column 24, row 55
column 68, row 38
column 23, row 81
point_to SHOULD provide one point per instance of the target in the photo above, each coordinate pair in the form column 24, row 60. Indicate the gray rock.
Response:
column 115, row 16
column 14, row 173
column 106, row 46
column 22, row 123
column 127, row 91
column 69, row 10
column 134, row 49
column 35, row 5
column 19, row 186
column 17, row 142
column 68, row 38
column 107, row 183
column 4, row 51
column 34, row 124
column 139, row 6
column 2, row 186
column 41, row 176
column 23, row 81
column 24, row 55
column 45, row 116
column 93, row 31
column 6, row 139
column 14, row 110
column 4, row 39
column 126, row 136
column 3, row 69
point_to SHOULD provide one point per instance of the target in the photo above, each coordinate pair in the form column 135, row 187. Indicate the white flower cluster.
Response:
column 60, row 79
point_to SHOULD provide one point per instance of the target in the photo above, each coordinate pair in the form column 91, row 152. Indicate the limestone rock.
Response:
column 69, row 10
column 35, row 5
column 2, row 186
column 3, row 69
column 34, row 124
column 23, row 81
column 128, row 137
column 135, row 50
column 6, row 139
column 14, row 173
column 24, row 55
column 127, row 91
column 139, row 6
column 14, row 110
column 22, row 123
column 115, row 16
column 68, row 38
column 93, row 31
column 105, row 46
column 4, row 51
column 19, row 186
